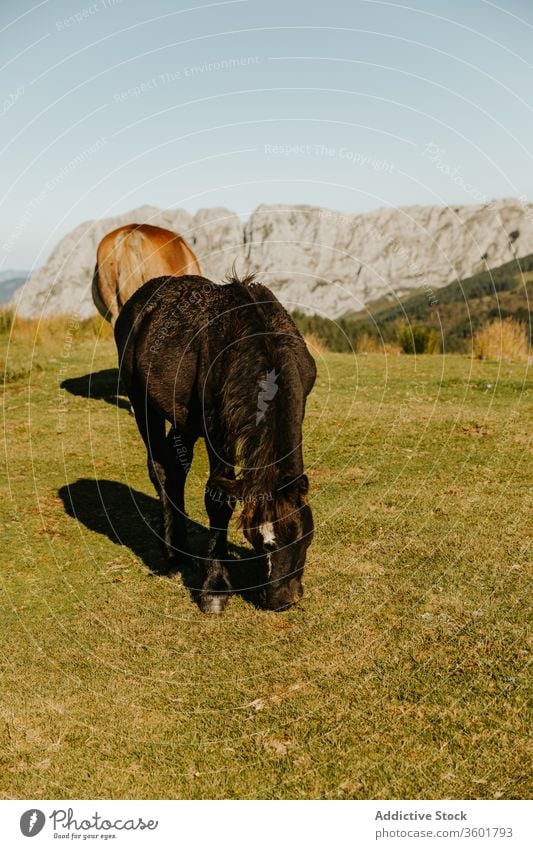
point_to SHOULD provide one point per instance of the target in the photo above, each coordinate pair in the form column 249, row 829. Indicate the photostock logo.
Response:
column 32, row 822
column 65, row 824
column 269, row 388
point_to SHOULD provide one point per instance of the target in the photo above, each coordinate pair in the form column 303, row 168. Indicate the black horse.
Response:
column 227, row 363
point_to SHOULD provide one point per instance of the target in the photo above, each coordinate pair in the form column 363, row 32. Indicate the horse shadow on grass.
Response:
column 101, row 385
column 132, row 519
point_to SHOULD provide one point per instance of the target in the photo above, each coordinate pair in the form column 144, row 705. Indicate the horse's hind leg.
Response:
column 216, row 587
column 167, row 475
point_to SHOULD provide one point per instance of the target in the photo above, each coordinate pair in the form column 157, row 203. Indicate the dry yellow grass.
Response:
column 502, row 340
column 315, row 344
column 366, row 344
column 49, row 328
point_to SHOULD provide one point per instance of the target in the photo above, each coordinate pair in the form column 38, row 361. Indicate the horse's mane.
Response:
column 258, row 358
column 246, row 282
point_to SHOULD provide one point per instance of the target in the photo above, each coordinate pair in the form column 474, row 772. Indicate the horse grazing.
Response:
column 226, row 363
column 129, row 256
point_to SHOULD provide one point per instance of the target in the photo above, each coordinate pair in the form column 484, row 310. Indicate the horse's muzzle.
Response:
column 284, row 596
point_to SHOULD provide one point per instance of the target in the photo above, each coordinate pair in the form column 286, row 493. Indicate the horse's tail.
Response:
column 118, row 272
column 97, row 298
column 131, row 255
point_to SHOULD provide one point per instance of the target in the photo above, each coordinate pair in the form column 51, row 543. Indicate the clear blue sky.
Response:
column 349, row 105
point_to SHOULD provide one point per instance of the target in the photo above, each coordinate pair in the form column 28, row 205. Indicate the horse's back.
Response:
column 178, row 332
column 159, row 339
column 129, row 256
column 156, row 306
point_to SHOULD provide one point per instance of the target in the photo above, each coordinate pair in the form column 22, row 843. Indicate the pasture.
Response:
column 402, row 674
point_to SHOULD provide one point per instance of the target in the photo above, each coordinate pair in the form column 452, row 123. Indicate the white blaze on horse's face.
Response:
column 267, row 532
column 283, row 548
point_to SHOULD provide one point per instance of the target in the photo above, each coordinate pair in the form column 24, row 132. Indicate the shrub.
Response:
column 6, row 320
column 418, row 339
column 502, row 340
column 368, row 343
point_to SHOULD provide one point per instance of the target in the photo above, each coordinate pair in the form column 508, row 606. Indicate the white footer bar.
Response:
column 267, row 824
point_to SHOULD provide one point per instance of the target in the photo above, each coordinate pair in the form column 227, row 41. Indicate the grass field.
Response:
column 401, row 675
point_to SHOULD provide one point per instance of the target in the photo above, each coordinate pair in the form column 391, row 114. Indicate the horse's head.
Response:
column 280, row 530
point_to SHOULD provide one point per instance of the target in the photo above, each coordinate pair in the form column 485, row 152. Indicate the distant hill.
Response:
column 319, row 260
column 10, row 281
column 454, row 311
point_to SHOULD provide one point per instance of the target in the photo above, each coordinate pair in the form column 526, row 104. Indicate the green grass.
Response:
column 401, row 675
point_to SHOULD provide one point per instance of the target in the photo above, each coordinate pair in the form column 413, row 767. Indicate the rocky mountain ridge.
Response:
column 314, row 259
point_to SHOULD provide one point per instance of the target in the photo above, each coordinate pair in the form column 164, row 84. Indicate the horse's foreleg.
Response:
column 219, row 508
column 180, row 448
column 217, row 587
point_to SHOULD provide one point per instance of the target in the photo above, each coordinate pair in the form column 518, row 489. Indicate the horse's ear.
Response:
column 226, row 486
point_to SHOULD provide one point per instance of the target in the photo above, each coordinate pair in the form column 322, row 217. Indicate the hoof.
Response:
column 174, row 567
column 212, row 603
column 215, row 592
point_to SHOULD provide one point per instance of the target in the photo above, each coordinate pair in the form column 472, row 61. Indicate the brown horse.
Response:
column 129, row 256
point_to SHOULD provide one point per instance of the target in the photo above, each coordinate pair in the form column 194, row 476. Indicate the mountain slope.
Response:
column 455, row 311
column 459, row 309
